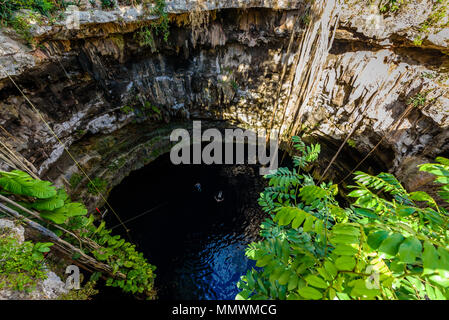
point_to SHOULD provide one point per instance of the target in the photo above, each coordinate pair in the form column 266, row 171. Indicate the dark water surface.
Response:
column 197, row 244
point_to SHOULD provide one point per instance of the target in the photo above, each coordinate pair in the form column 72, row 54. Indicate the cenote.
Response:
column 197, row 244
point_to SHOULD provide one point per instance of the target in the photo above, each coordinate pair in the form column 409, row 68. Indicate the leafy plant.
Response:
column 390, row 5
column 21, row 263
column 96, row 186
column 123, row 257
column 21, row 183
column 418, row 41
column 9, row 8
column 152, row 111
column 389, row 244
column 145, row 36
column 352, row 143
column 126, row 109
column 436, row 20
column 85, row 293
column 55, row 206
column 437, row 16
column 75, row 179
column 107, row 4
column 418, row 100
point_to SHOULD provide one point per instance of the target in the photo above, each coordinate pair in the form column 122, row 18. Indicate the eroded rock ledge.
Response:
column 80, row 80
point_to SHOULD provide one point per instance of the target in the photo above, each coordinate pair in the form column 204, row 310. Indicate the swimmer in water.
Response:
column 219, row 197
column 197, row 187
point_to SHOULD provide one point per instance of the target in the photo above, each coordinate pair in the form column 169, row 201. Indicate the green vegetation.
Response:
column 21, row 25
column 21, row 263
column 96, row 186
column 146, row 110
column 10, row 16
column 234, row 85
column 390, row 5
column 439, row 12
column 418, row 41
column 418, row 100
column 352, row 143
column 107, row 4
column 87, row 291
column 145, row 36
column 53, row 8
column 389, row 244
column 75, row 180
column 436, row 19
column 126, row 109
column 152, row 111
column 10, row 7
column 428, row 75
column 55, row 206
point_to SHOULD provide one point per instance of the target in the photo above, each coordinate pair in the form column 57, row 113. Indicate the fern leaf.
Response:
column 21, row 183
column 312, row 193
column 383, row 181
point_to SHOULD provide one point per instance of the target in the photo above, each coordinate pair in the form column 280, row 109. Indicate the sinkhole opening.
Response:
column 197, row 243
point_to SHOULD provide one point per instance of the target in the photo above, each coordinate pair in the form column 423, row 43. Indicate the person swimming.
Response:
column 219, row 197
column 197, row 187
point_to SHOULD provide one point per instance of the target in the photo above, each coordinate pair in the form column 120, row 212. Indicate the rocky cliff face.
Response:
column 97, row 86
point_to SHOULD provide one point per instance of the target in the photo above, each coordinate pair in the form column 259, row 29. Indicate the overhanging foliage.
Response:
column 389, row 244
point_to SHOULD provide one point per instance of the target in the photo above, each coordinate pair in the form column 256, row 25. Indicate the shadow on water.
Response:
column 197, row 244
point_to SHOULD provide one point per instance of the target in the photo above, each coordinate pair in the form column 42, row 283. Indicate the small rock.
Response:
column 17, row 231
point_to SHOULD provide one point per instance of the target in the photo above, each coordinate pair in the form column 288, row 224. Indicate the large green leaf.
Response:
column 345, row 263
column 330, row 268
column 74, row 209
column 21, row 183
column 310, row 293
column 299, row 219
column 312, row 193
column 316, row 281
column 51, row 204
column 430, row 258
column 376, row 238
column 56, row 217
column 390, row 245
column 409, row 250
column 345, row 250
column 285, row 276
column 293, row 281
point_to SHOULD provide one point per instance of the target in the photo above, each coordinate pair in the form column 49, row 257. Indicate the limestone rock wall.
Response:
column 80, row 80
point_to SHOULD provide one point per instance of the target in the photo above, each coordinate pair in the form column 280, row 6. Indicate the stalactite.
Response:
column 199, row 18
column 311, row 56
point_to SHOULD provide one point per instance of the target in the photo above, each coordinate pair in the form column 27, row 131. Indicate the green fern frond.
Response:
column 284, row 178
column 308, row 155
column 383, row 182
column 21, row 183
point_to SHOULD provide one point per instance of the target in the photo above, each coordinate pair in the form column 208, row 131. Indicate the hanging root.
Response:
column 310, row 58
column 308, row 66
